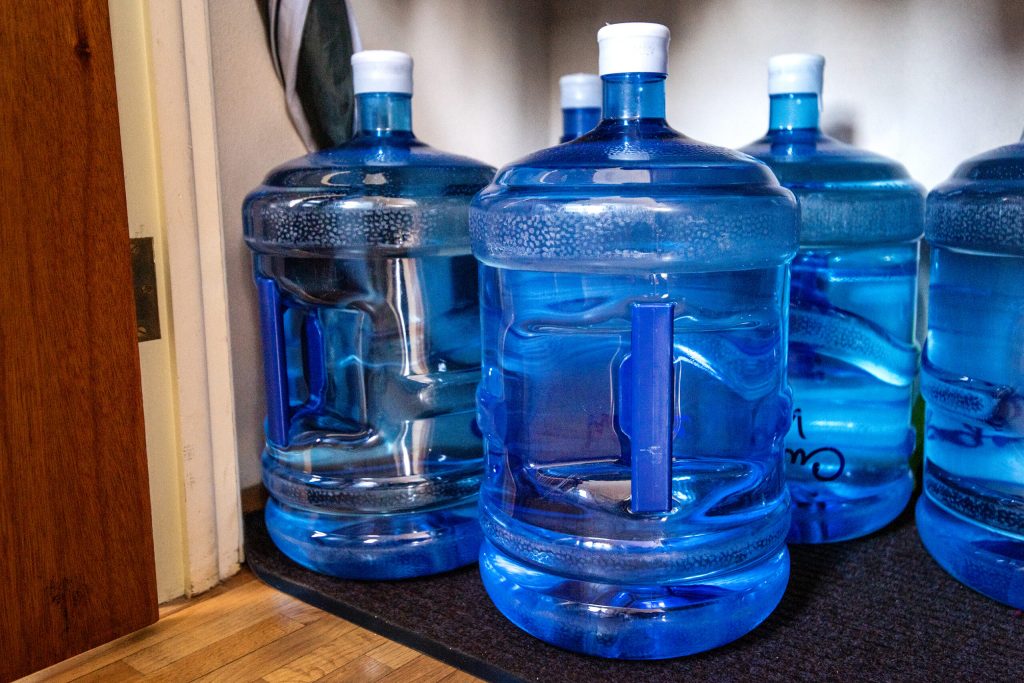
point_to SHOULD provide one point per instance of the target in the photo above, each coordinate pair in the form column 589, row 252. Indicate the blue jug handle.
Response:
column 651, row 406
column 275, row 363
column 275, row 369
column 316, row 366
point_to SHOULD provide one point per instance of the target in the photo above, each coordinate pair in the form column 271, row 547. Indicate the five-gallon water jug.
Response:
column 370, row 329
column 633, row 400
column 581, row 104
column 853, row 295
column 971, row 515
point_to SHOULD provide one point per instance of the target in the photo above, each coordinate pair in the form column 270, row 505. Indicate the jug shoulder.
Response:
column 636, row 153
column 635, row 197
column 981, row 206
column 847, row 195
column 364, row 194
column 377, row 165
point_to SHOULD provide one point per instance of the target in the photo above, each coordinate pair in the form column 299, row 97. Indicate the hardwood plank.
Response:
column 301, row 612
column 326, row 658
column 280, row 652
column 179, row 622
column 421, row 669
column 248, row 631
column 225, row 650
column 393, row 655
column 118, row 671
column 459, row 676
column 178, row 604
column 157, row 656
column 76, row 547
column 362, row 669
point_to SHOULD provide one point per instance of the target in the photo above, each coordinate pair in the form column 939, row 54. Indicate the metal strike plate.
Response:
column 147, row 310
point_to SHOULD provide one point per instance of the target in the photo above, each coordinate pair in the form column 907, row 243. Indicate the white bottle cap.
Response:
column 633, row 48
column 798, row 72
column 580, row 91
column 381, row 71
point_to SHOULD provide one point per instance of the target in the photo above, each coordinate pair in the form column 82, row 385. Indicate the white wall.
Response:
column 928, row 82
column 480, row 70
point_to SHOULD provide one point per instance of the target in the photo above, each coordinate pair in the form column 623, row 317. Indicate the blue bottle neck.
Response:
column 633, row 96
column 384, row 114
column 577, row 121
column 794, row 111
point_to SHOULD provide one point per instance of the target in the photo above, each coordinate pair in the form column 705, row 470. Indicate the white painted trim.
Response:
column 183, row 85
column 199, row 65
column 129, row 33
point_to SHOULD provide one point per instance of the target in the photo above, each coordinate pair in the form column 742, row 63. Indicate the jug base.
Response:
column 377, row 547
column 634, row 621
column 819, row 518
column 981, row 558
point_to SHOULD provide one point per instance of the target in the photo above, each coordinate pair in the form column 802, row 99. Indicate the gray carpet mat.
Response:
column 874, row 609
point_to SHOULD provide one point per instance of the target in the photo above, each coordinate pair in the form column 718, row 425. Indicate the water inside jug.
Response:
column 370, row 335
column 633, row 400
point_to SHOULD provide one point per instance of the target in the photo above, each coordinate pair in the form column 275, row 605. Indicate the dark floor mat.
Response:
column 875, row 609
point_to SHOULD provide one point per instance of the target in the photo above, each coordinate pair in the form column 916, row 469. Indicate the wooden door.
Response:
column 76, row 544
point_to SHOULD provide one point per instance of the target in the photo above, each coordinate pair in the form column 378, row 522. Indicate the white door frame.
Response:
column 185, row 119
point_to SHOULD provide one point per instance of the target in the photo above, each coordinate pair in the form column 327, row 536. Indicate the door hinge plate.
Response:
column 147, row 308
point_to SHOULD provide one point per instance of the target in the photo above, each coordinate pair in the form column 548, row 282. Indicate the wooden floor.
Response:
column 247, row 631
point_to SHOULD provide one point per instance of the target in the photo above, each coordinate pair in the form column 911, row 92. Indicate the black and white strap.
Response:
column 287, row 23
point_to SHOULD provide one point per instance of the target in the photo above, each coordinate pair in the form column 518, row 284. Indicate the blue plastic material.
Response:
column 370, row 328
column 275, row 372
column 633, row 298
column 652, row 409
column 577, row 121
column 275, row 363
column 853, row 296
column 971, row 516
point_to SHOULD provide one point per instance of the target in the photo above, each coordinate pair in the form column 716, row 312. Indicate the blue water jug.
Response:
column 633, row 399
column 370, row 330
column 853, row 297
column 581, row 104
column 971, row 516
